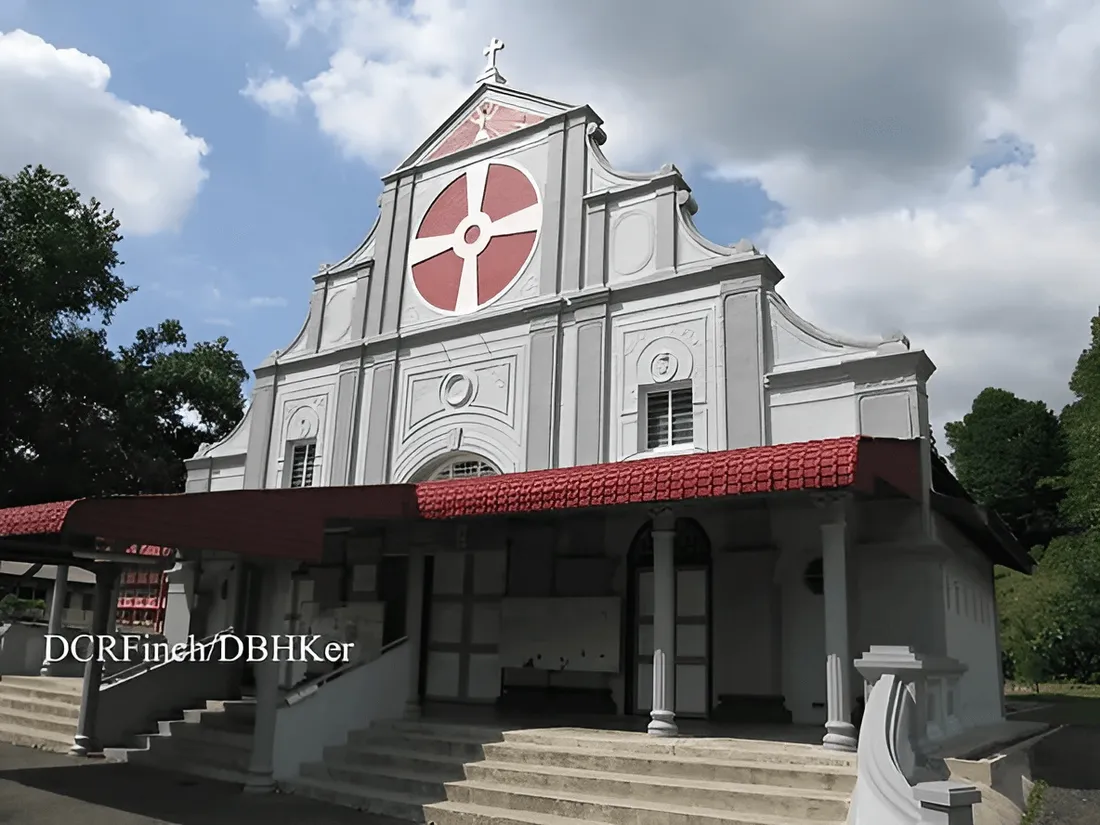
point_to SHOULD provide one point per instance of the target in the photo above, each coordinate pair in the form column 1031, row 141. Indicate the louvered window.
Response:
column 464, row 468
column 301, row 464
column 669, row 418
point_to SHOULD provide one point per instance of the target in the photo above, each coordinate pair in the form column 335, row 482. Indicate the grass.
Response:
column 1066, row 704
column 1034, row 805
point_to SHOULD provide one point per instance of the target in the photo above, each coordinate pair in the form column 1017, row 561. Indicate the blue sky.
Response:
column 281, row 197
column 916, row 167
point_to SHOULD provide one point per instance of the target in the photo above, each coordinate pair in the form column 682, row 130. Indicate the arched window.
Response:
column 462, row 466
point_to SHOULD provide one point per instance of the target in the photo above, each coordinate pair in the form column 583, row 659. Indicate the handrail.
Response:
column 297, row 694
column 146, row 666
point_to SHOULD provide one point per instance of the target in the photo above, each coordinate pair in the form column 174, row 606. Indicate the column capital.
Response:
column 834, row 504
column 664, row 518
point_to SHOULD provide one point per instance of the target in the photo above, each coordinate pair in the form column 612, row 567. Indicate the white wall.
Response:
column 971, row 630
column 372, row 692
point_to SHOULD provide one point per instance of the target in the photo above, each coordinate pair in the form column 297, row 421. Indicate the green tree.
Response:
column 1081, row 423
column 77, row 418
column 1009, row 452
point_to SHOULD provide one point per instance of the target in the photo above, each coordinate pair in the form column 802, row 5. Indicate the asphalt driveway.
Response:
column 39, row 788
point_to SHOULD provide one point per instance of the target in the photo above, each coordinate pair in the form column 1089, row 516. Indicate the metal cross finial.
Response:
column 490, row 74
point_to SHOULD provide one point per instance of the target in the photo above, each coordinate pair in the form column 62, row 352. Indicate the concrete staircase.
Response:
column 462, row 775
column 213, row 742
column 39, row 711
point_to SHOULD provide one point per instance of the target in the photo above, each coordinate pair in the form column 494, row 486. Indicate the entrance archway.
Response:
column 692, row 553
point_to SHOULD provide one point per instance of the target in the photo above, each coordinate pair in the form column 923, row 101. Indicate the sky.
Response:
column 925, row 168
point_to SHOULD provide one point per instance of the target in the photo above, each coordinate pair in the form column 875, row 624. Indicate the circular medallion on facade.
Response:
column 304, row 423
column 663, row 366
column 476, row 238
column 457, row 390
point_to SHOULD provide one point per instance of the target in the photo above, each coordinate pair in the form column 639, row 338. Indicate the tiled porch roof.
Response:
column 286, row 523
column 813, row 465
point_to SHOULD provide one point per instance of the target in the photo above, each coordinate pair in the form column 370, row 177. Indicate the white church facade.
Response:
column 631, row 444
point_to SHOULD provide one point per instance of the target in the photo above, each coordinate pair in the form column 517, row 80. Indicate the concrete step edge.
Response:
column 484, row 811
column 385, row 751
column 354, row 790
column 540, row 818
column 664, row 781
column 621, row 802
column 748, row 763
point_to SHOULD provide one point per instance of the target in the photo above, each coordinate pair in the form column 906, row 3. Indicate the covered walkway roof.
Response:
column 290, row 523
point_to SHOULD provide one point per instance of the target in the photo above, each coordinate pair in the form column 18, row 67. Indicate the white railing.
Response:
column 910, row 703
column 299, row 692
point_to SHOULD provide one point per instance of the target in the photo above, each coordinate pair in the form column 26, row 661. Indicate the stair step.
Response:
column 171, row 762
column 419, row 743
column 38, row 721
column 425, row 786
column 622, row 811
column 441, row 730
column 553, row 781
column 33, row 738
column 378, row 755
column 750, row 771
column 47, row 691
column 704, row 748
column 56, row 684
column 380, row 803
column 460, row 813
column 47, row 707
column 208, row 734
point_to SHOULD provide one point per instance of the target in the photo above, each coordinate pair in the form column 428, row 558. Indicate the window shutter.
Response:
column 683, row 417
column 670, row 418
column 657, row 420
column 301, row 465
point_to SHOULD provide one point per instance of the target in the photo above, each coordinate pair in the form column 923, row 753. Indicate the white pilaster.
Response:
column 414, row 628
column 57, row 608
column 663, row 715
column 840, row 732
column 267, row 672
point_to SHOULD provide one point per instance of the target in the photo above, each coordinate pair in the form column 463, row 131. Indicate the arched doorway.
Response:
column 693, row 621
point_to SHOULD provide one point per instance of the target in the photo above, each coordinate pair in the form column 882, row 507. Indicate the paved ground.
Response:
column 1069, row 761
column 38, row 788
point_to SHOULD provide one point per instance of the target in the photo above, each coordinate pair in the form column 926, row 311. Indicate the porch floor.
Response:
column 617, row 726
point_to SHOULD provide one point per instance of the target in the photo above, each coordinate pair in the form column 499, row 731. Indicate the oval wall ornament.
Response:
column 476, row 238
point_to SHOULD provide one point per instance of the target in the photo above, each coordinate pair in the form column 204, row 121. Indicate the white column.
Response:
column 840, row 732
column 414, row 616
column 57, row 608
column 663, row 715
column 261, row 761
column 85, row 741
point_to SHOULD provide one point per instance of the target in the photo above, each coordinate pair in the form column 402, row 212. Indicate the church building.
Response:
column 542, row 449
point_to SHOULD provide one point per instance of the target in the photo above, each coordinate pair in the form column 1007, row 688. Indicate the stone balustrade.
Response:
column 910, row 705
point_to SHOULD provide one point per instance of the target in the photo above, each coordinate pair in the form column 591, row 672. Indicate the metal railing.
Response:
column 304, row 691
column 148, row 665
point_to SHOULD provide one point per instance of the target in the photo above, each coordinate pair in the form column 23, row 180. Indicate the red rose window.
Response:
column 476, row 238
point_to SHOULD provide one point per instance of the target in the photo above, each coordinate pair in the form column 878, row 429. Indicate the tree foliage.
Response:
column 1081, row 422
column 1009, row 453
column 78, row 418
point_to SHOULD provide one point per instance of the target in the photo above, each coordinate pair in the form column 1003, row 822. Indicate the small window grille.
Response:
column 670, row 418
column 464, row 468
column 301, row 464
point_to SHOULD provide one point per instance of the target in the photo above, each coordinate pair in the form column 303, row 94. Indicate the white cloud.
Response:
column 58, row 112
column 276, row 94
column 861, row 118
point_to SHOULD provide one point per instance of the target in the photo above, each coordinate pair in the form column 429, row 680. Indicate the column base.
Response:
column 82, row 746
column 259, row 784
column 840, row 736
column 662, row 723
